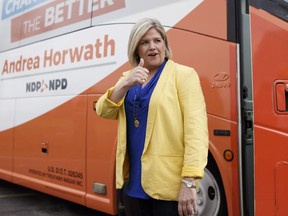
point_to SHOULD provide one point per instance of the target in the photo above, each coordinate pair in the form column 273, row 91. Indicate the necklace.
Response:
column 135, row 109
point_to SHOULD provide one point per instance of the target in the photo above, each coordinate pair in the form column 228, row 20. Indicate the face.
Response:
column 152, row 49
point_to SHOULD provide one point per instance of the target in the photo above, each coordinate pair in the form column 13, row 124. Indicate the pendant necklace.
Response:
column 135, row 109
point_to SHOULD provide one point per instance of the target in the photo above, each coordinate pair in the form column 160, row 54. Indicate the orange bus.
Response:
column 58, row 57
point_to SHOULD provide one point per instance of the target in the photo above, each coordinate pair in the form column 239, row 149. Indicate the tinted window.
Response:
column 278, row 8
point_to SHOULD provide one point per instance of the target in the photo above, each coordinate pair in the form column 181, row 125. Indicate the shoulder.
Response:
column 182, row 71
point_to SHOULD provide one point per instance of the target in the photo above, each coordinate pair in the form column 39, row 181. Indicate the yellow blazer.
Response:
column 176, row 142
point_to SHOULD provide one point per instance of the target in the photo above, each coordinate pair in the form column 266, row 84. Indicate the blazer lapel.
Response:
column 154, row 101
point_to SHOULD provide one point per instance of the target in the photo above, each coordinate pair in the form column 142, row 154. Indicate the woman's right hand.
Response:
column 139, row 75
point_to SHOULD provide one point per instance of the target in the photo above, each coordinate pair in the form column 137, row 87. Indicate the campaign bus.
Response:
column 58, row 57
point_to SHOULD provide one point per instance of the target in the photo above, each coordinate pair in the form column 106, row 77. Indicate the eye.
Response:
column 143, row 42
column 159, row 40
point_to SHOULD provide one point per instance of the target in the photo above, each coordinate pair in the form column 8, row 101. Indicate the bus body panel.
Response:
column 100, row 157
column 270, row 66
column 229, row 170
column 7, row 110
column 44, row 19
column 6, row 156
column 213, row 21
column 52, row 148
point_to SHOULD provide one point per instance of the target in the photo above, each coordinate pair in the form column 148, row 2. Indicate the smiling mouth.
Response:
column 152, row 54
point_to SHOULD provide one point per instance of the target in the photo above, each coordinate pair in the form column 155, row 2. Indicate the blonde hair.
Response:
column 137, row 32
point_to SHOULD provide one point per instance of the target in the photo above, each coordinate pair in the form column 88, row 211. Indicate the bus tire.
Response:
column 211, row 198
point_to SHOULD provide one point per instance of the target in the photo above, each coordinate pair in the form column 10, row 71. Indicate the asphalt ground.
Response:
column 19, row 201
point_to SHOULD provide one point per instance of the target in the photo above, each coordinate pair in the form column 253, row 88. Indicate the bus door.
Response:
column 269, row 30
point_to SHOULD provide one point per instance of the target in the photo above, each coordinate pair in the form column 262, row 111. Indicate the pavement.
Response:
column 20, row 201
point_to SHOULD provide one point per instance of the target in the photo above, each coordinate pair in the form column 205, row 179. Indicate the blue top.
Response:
column 136, row 106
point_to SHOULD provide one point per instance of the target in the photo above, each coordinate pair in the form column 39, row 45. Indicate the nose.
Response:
column 152, row 45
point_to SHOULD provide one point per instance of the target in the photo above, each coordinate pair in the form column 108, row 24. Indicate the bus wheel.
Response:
column 210, row 194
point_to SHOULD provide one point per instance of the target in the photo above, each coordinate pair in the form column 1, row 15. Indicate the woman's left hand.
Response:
column 187, row 201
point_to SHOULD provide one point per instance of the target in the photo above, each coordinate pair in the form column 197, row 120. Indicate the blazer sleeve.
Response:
column 194, row 113
column 105, row 107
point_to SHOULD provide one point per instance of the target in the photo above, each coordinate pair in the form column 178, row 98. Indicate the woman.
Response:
column 162, row 129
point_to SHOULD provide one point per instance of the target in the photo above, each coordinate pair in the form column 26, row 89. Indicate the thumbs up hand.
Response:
column 139, row 74
column 141, row 63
